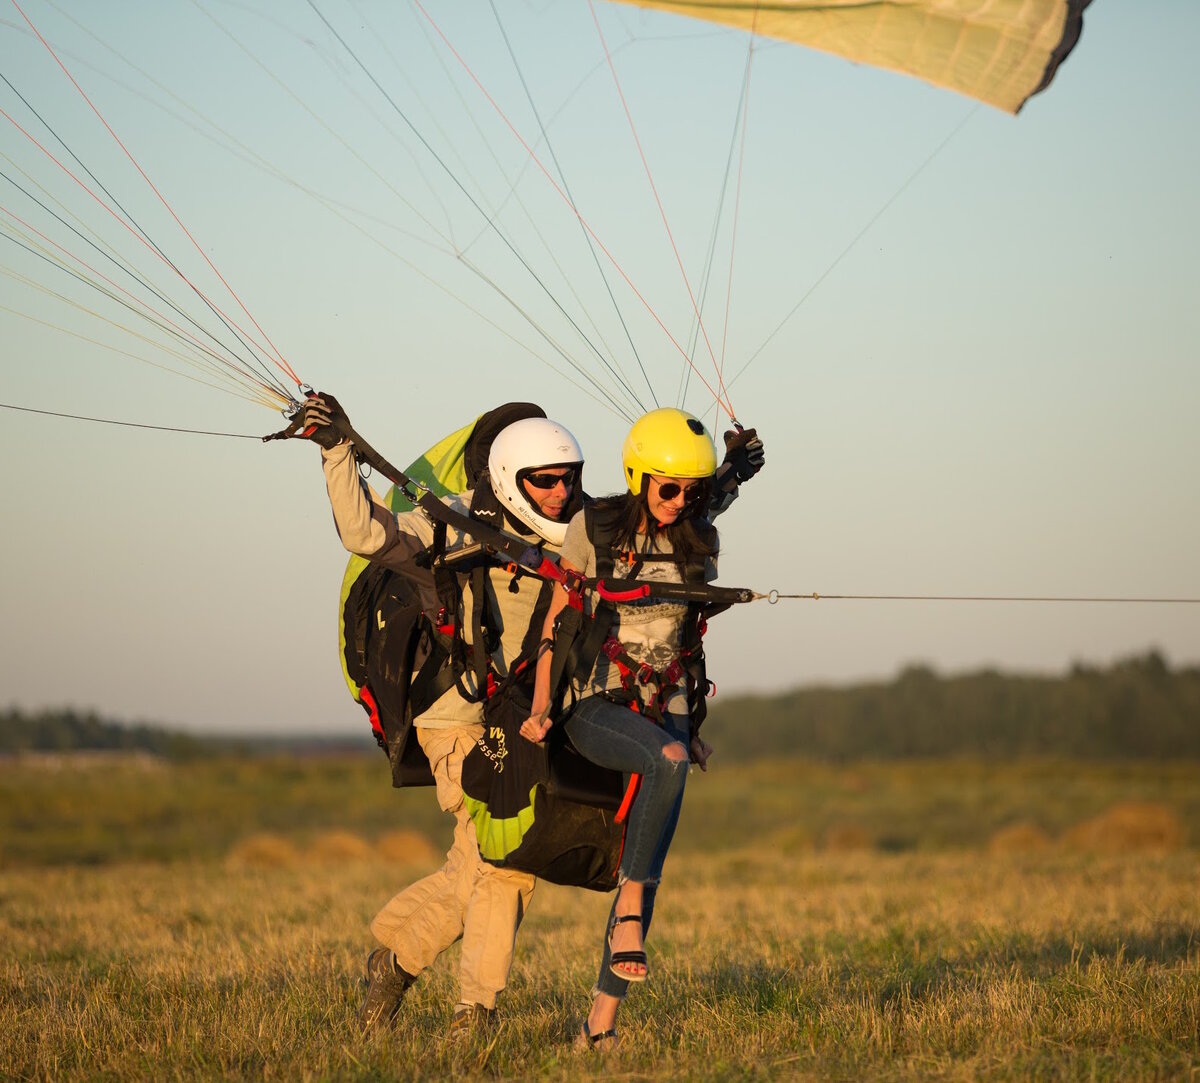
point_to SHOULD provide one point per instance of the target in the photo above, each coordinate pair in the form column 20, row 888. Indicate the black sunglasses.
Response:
column 548, row 481
column 669, row 490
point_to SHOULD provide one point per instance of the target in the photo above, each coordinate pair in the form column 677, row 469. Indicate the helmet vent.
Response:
column 696, row 426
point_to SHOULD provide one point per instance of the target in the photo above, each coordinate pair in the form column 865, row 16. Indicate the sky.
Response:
column 969, row 340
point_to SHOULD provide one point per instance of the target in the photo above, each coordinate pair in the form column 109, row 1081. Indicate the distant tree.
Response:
column 66, row 730
column 1137, row 708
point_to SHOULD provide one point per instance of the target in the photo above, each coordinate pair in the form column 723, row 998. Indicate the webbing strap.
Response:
column 634, row 673
column 435, row 677
column 631, row 791
column 481, row 655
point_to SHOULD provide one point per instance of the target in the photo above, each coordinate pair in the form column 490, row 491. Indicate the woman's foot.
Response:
column 599, row 1030
column 601, row 1041
column 627, row 955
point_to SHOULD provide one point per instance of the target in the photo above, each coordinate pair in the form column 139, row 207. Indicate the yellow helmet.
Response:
column 669, row 443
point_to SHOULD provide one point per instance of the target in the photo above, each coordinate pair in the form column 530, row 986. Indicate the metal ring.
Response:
column 773, row 597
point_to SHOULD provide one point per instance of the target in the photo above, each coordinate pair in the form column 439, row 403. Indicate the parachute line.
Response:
column 159, row 319
column 492, row 216
column 247, row 154
column 209, row 130
column 454, row 178
column 329, row 129
column 858, row 237
column 739, row 120
column 129, row 424
column 279, row 358
column 658, row 202
column 237, row 378
column 134, row 232
column 737, row 198
column 591, row 245
column 558, row 188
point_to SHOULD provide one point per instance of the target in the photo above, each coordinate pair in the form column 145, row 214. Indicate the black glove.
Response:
column 320, row 413
column 744, row 453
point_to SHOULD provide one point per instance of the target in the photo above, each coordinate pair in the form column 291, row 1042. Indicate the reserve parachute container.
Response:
column 395, row 662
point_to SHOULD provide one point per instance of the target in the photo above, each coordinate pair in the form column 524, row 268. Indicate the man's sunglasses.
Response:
column 669, row 490
column 547, row 481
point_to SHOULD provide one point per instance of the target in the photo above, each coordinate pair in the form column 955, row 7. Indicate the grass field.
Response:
column 858, row 925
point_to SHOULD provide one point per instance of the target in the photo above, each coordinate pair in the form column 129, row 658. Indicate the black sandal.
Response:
column 586, row 1040
column 634, row 957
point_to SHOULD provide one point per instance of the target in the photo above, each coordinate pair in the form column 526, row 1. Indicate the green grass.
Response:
column 931, row 961
column 94, row 811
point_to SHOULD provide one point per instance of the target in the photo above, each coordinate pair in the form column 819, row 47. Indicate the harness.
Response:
column 409, row 639
column 431, row 655
column 643, row 688
column 451, row 571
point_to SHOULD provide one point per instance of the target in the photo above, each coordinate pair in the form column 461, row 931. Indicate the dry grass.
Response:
column 263, row 850
column 949, row 951
column 843, row 837
column 821, row 966
column 1128, row 827
column 1019, row 838
column 267, row 850
column 338, row 848
column 406, row 848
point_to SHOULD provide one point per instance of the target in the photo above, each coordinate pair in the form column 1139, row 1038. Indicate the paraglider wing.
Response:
column 998, row 51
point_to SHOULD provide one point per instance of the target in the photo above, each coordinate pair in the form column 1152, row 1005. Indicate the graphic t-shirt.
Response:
column 650, row 629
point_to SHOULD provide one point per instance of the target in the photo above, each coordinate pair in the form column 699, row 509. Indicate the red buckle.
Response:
column 646, row 674
column 611, row 649
column 573, row 583
column 673, row 672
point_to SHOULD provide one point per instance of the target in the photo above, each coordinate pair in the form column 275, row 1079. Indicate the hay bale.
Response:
column 338, row 848
column 406, row 848
column 844, row 837
column 1126, row 827
column 263, row 851
column 1023, row 837
column 790, row 841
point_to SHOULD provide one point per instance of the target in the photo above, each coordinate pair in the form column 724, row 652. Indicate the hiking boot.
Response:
column 386, row 985
column 470, row 1019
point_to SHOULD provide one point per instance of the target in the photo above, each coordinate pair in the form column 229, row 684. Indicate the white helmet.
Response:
column 521, row 448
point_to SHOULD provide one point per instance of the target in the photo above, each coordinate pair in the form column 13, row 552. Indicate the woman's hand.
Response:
column 699, row 751
column 537, row 725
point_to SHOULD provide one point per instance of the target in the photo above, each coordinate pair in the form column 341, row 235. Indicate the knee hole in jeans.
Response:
column 675, row 752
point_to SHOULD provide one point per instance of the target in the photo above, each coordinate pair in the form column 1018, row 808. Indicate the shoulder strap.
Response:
column 707, row 533
column 600, row 534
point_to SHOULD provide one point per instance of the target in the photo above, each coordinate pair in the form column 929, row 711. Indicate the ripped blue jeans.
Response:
column 616, row 737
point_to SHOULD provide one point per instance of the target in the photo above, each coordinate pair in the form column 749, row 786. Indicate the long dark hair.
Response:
column 622, row 514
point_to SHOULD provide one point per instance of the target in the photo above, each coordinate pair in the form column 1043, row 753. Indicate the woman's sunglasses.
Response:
column 669, row 490
column 548, row 481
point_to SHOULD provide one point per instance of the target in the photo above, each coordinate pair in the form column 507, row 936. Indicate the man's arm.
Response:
column 364, row 524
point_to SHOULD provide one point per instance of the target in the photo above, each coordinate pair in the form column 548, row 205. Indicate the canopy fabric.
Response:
column 998, row 51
